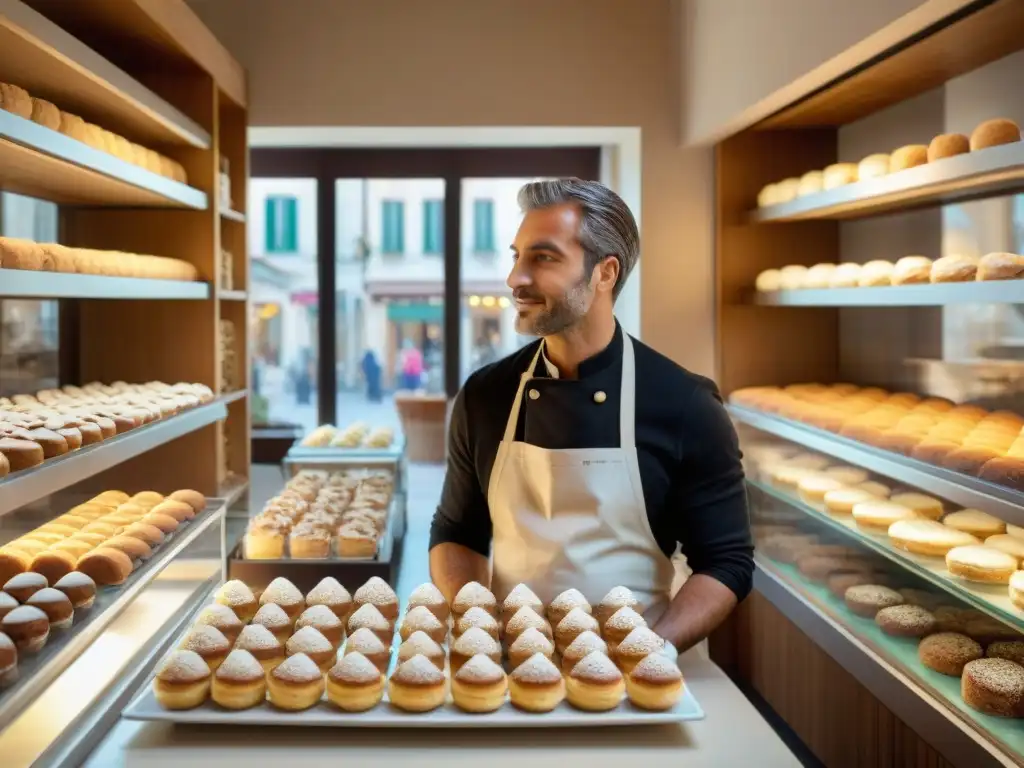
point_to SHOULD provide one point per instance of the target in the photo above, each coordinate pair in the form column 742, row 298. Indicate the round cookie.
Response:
column 948, row 652
column 868, row 599
column 906, row 621
column 994, row 686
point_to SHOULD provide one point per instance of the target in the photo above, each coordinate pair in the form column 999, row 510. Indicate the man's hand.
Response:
column 697, row 609
column 452, row 566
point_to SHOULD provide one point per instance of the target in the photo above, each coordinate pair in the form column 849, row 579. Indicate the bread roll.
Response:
column 909, row 156
column 819, row 276
column 948, row 145
column 20, row 254
column 876, row 273
column 995, row 266
column 766, row 196
column 811, row 183
column 845, row 276
column 994, row 132
column 769, row 280
column 838, row 175
column 786, row 190
column 46, row 114
column 873, row 166
column 72, row 126
column 792, row 277
column 15, row 100
column 954, row 269
column 911, row 270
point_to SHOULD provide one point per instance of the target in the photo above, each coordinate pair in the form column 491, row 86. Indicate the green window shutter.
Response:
column 433, row 226
column 483, row 226
column 282, row 224
column 393, row 223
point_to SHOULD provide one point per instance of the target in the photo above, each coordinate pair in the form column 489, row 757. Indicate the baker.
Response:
column 583, row 459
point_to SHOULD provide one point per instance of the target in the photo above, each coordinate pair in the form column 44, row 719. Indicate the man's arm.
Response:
column 460, row 534
column 713, row 525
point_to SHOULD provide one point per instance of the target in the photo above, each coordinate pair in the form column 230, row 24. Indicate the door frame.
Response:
column 453, row 164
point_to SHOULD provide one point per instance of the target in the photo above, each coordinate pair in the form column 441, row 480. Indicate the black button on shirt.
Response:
column 688, row 453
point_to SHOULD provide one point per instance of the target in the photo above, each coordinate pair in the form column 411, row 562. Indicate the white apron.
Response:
column 576, row 517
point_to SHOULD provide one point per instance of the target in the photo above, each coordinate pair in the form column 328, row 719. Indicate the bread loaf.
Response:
column 792, row 277
column 912, row 269
column 846, row 276
column 873, row 166
column 909, row 156
column 876, row 273
column 838, row 175
column 786, row 190
column 954, row 269
column 819, row 276
column 1001, row 266
column 948, row 145
column 811, row 183
column 991, row 133
column 46, row 114
column 769, row 280
column 20, row 254
column 15, row 100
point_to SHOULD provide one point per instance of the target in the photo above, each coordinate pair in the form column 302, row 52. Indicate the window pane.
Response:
column 433, row 226
column 483, row 226
column 393, row 220
column 281, row 216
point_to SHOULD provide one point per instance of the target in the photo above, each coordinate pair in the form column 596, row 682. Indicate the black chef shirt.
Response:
column 688, row 452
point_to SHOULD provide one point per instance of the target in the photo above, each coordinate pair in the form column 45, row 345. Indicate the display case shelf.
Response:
column 22, row 284
column 26, row 486
column 927, row 701
column 992, row 599
column 36, row 672
column 39, row 162
column 232, row 215
column 233, row 295
column 931, row 295
column 984, row 173
column 49, row 63
column 965, row 490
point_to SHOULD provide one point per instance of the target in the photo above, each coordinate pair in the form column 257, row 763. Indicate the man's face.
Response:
column 549, row 280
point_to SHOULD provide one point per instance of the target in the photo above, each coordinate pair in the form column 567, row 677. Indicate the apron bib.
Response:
column 576, row 518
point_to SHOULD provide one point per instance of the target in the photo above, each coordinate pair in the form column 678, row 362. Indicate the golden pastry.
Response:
column 209, row 642
column 842, row 501
column 585, row 644
column 877, row 515
column 521, row 596
column 417, row 685
column 947, row 145
column 530, row 642
column 261, row 643
column 638, row 645
column 112, row 499
column 331, row 593
column 565, row 602
column 240, row 682
column 1004, row 542
column 617, row 598
column 469, row 644
column 621, row 623
column 355, row 684
column 536, row 685
column 53, row 564
column 924, row 506
column 655, row 684
column 273, row 617
column 927, row 537
column 420, row 619
column 179, row 510
column 239, row 598
column 813, row 488
column 595, row 684
column 474, row 595
column 526, row 618
column 364, row 641
column 376, row 593
column 297, row 683
column 994, row 132
column 420, row 643
column 309, row 642
column 479, row 686
column 194, row 499
column 136, row 549
column 430, row 597
column 575, row 623
column 165, row 523
column 975, row 522
column 322, row 619
column 148, row 499
column 847, row 475
column 223, row 618
column 183, row 681
column 368, row 617
column 150, row 534
column 285, row 595
column 982, row 564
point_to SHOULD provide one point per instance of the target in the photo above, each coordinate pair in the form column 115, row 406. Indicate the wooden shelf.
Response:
column 231, row 215
column 937, row 295
column 22, row 284
column 985, row 173
column 51, row 64
column 233, row 295
column 38, row 162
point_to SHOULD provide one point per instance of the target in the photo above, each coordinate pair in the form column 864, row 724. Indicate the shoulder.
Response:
column 491, row 379
column 687, row 388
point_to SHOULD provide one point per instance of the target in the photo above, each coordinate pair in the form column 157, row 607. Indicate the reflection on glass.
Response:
column 285, row 301
column 29, row 336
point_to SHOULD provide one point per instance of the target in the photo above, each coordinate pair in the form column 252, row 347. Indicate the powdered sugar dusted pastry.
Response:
column 521, row 596
column 430, row 597
column 421, row 619
column 585, row 644
column 526, row 618
column 565, row 602
column 355, row 684
column 476, row 617
column 420, row 643
column 530, row 642
column 655, row 683
column 285, row 595
column 536, row 685
column 479, row 685
column 368, row 617
column 377, row 593
column 617, row 598
column 575, row 623
column 417, row 685
column 331, row 593
column 638, row 645
column 474, row 595
column 595, row 684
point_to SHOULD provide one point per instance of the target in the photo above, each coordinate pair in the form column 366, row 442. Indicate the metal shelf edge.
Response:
column 15, row 283
column 960, row 489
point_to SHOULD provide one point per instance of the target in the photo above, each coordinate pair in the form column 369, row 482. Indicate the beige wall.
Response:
column 497, row 63
column 744, row 59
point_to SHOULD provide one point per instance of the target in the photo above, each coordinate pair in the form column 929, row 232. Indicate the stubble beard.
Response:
column 565, row 314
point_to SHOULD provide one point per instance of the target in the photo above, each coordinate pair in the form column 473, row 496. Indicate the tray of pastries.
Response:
column 355, row 436
column 331, row 658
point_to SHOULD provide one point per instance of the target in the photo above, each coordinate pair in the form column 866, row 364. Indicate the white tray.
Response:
column 145, row 707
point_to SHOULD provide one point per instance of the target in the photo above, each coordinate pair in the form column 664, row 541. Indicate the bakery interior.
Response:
column 832, row 208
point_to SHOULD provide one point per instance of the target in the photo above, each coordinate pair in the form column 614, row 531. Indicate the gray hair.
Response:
column 608, row 227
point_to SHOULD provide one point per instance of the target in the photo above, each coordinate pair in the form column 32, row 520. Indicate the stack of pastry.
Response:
column 53, row 422
column 964, row 438
column 319, row 514
column 990, row 133
column 105, row 538
column 18, row 101
column 17, row 253
column 355, row 435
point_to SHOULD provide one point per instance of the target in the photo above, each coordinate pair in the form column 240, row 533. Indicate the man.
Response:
column 583, row 459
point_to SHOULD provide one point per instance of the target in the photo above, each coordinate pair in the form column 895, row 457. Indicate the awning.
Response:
column 416, row 312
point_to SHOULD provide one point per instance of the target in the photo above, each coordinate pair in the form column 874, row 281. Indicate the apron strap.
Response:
column 513, row 416
column 627, row 409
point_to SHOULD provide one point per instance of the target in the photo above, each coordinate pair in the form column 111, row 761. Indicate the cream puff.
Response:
column 22, row 586
column 285, row 595
column 366, row 616
column 331, row 593
column 183, row 681
column 421, row 619
column 470, row 643
column 239, row 598
column 575, row 623
column 376, row 592
column 309, row 642
column 80, row 589
column 637, row 646
column 531, row 642
column 595, row 684
column 355, row 684
column 261, row 643
column 536, row 685
column 428, row 596
column 621, row 623
column 982, row 564
column 56, row 605
column 417, row 685
column 585, row 644
column 420, row 643
column 474, row 595
column 297, row 683
column 617, row 598
column 322, row 619
column 240, row 682
column 526, row 618
column 28, row 627
column 521, row 596
column 209, row 642
column 367, row 643
column 565, row 602
column 479, row 686
column 655, row 684
column 222, row 618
